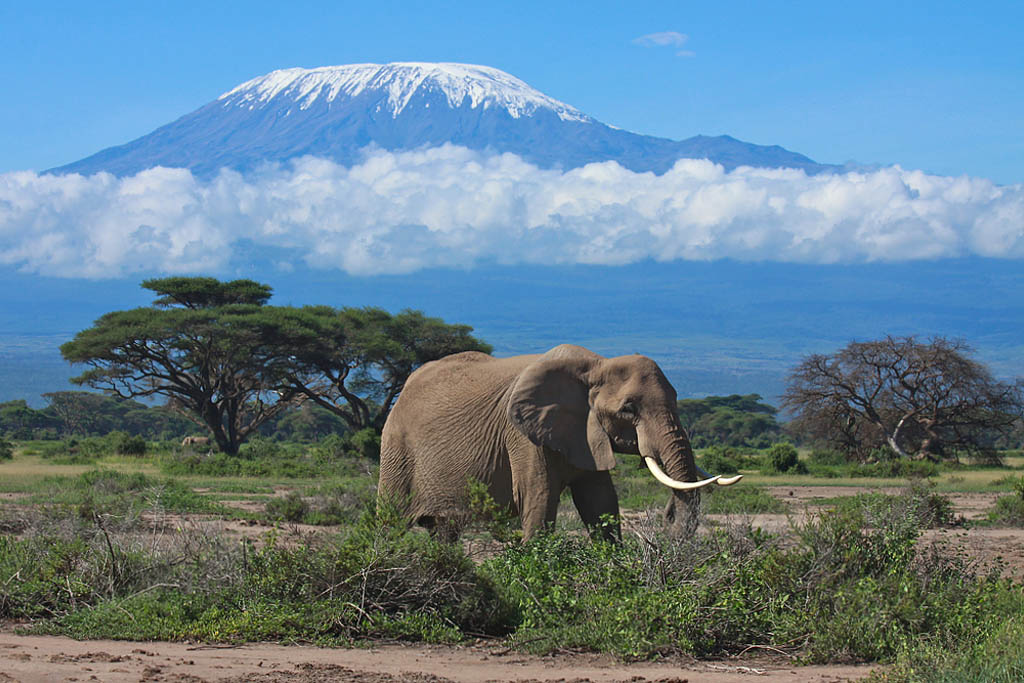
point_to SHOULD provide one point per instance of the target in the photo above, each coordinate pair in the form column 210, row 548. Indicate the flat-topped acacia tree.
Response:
column 202, row 345
column 354, row 361
column 229, row 362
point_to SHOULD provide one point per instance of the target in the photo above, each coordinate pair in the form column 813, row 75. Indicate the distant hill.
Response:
column 336, row 112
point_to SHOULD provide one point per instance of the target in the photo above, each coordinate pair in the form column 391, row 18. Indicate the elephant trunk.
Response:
column 666, row 450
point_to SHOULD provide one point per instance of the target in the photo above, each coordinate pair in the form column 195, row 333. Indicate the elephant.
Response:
column 527, row 427
column 195, row 441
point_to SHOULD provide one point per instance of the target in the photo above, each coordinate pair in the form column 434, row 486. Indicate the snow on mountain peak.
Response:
column 482, row 86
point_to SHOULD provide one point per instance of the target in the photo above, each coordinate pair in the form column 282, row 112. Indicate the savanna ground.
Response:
column 182, row 566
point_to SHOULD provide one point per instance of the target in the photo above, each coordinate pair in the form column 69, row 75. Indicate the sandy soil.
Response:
column 50, row 659
column 42, row 658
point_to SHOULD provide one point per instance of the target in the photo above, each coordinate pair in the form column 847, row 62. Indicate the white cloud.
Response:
column 665, row 39
column 449, row 206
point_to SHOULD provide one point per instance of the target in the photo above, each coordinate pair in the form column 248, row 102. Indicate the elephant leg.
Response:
column 537, row 486
column 595, row 497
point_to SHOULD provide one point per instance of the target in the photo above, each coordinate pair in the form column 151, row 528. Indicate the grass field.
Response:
column 284, row 545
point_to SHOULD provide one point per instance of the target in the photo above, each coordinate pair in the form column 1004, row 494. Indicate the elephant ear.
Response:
column 550, row 405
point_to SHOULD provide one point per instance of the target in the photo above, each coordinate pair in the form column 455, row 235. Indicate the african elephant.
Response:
column 195, row 441
column 527, row 427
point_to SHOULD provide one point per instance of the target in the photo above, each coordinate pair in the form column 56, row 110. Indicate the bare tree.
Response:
column 929, row 399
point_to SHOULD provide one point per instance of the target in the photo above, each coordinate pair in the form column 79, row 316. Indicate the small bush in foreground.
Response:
column 6, row 449
column 995, row 657
column 849, row 585
column 377, row 580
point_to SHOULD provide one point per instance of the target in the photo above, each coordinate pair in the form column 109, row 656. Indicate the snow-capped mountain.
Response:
column 336, row 112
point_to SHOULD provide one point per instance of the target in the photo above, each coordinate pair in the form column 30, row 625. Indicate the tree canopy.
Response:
column 928, row 399
column 355, row 361
column 734, row 420
column 230, row 362
column 202, row 347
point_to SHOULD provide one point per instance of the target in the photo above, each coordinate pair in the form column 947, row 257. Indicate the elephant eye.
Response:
column 628, row 408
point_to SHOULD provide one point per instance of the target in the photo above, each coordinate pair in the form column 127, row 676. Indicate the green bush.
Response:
column 376, row 580
column 288, row 508
column 783, row 457
column 918, row 502
column 1009, row 510
column 826, row 457
column 720, row 460
column 6, row 449
column 121, row 497
column 260, row 448
column 364, row 444
column 126, row 444
column 899, row 468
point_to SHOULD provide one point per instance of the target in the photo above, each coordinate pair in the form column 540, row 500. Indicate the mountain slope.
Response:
column 336, row 112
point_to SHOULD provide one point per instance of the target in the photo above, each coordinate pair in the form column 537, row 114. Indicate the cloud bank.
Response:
column 452, row 207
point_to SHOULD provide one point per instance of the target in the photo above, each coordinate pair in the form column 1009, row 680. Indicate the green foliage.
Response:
column 364, row 443
column 910, row 469
column 263, row 457
column 19, row 421
column 739, row 421
column 918, row 501
column 289, row 508
column 850, row 588
column 720, row 460
column 996, row 656
column 851, row 585
column 783, row 457
column 355, row 361
column 484, row 511
column 6, row 449
column 741, row 499
column 206, row 292
column 120, row 496
column 377, row 580
column 826, row 457
column 1009, row 510
column 126, row 444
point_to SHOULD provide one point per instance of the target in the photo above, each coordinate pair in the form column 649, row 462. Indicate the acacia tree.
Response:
column 201, row 346
column 354, row 361
column 927, row 399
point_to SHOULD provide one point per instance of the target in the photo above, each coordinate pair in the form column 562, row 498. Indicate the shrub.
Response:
column 6, row 449
column 826, row 457
column 783, row 457
column 909, row 469
column 1009, row 510
column 126, row 444
column 376, row 580
column 364, row 444
column 288, row 508
column 720, row 460
column 260, row 448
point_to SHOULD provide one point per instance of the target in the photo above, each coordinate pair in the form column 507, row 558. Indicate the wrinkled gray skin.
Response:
column 527, row 427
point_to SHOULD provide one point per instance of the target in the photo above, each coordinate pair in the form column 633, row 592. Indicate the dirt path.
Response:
column 29, row 659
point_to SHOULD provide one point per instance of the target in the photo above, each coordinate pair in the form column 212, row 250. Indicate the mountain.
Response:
column 335, row 112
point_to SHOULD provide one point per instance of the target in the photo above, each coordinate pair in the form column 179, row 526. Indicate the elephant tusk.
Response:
column 728, row 481
column 652, row 465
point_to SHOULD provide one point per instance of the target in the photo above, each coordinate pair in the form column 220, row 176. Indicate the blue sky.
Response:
column 937, row 86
